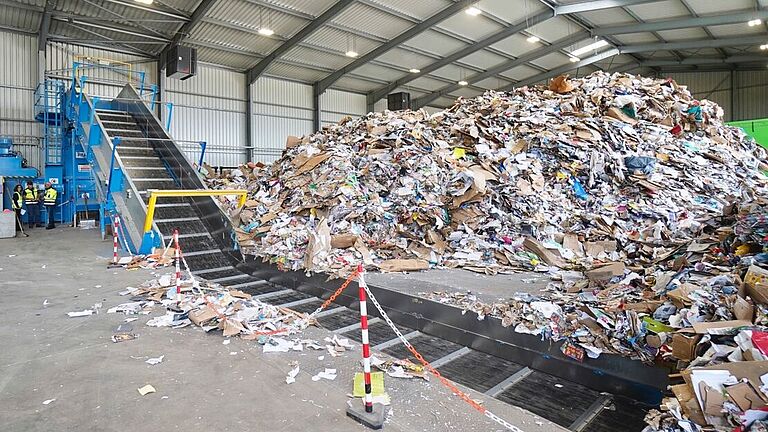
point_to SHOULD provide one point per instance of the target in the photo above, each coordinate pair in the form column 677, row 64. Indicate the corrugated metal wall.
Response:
column 209, row 107
column 745, row 103
column 280, row 108
column 335, row 105
column 18, row 78
column 751, row 94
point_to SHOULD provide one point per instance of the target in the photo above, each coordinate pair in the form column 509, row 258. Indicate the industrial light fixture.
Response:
column 414, row 70
column 533, row 39
column 463, row 83
column 351, row 47
column 264, row 30
column 754, row 22
column 575, row 59
column 146, row 2
column 472, row 10
column 591, row 47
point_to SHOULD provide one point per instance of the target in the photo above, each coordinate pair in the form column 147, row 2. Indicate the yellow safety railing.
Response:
column 155, row 193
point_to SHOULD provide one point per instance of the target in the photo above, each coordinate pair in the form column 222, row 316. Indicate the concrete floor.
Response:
column 201, row 384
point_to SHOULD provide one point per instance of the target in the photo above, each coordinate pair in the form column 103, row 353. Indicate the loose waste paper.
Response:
column 652, row 227
column 212, row 307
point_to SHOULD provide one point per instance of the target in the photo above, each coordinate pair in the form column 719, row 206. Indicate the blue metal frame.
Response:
column 169, row 105
column 203, row 145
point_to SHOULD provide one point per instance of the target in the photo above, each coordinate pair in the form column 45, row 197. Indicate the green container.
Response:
column 757, row 129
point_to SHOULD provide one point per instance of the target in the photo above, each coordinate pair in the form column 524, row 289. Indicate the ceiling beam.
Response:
column 119, row 18
column 432, row 21
column 110, row 27
column 45, row 25
column 469, row 49
column 706, row 61
column 147, row 8
column 693, row 44
column 259, row 68
column 594, row 5
column 197, row 16
column 562, row 69
column 100, row 44
column 736, row 18
column 525, row 58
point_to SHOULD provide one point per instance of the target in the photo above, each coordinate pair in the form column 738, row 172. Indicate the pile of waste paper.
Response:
column 602, row 168
column 211, row 307
column 651, row 221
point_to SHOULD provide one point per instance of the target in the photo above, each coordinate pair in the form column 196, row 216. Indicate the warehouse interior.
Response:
column 523, row 215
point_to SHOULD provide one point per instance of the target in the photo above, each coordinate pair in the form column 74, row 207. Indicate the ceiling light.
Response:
column 575, row 59
column 473, row 11
column 264, row 31
column 763, row 47
column 591, row 47
column 754, row 22
column 146, row 2
column 463, row 83
column 414, row 70
column 533, row 39
column 351, row 53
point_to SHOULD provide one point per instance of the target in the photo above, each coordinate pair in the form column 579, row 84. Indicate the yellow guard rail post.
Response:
column 148, row 241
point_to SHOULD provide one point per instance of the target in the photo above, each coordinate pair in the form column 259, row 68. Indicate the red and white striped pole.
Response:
column 115, row 229
column 366, row 346
column 178, row 264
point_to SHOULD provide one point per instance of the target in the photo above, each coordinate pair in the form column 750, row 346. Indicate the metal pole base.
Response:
column 374, row 420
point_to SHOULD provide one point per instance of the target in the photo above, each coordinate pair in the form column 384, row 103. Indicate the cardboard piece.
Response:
column 684, row 344
column 745, row 395
column 561, row 84
column 756, row 281
column 688, row 403
column 545, row 254
column 572, row 243
column 343, row 241
column 232, row 327
column 400, row 265
column 707, row 327
column 594, row 249
column 619, row 115
column 679, row 296
column 202, row 315
column 743, row 310
column 712, row 399
column 292, row 141
column 606, row 272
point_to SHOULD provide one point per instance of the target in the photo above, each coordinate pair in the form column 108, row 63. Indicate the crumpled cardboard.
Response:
column 203, row 315
column 402, row 265
column 684, row 344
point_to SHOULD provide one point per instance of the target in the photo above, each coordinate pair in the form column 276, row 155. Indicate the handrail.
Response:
column 155, row 193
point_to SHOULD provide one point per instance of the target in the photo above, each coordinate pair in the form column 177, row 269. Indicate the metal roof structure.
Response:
column 425, row 47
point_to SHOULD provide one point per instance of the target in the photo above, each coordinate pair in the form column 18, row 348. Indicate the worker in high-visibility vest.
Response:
column 49, row 200
column 16, row 203
column 32, row 201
